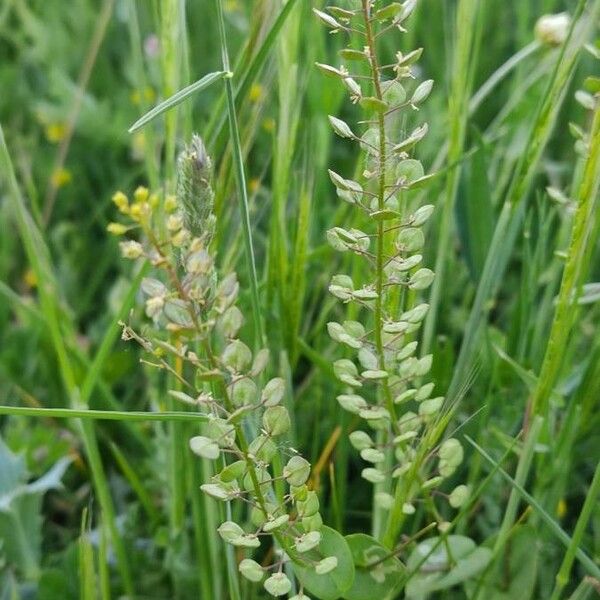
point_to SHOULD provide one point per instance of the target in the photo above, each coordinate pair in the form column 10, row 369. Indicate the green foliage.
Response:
column 456, row 223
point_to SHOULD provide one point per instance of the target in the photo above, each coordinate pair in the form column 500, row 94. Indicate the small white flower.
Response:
column 131, row 249
column 552, row 29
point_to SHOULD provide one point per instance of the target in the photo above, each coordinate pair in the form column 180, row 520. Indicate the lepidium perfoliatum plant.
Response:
column 409, row 457
column 196, row 324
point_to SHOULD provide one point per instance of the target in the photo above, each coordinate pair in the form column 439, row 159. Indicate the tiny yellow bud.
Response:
column 269, row 125
column 61, row 177
column 121, row 201
column 154, row 200
column 30, row 278
column 136, row 212
column 170, row 203
column 116, row 228
column 141, row 194
column 56, row 132
column 255, row 93
column 254, row 185
column 561, row 509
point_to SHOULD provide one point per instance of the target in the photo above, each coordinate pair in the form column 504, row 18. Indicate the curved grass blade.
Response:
column 556, row 529
column 177, row 98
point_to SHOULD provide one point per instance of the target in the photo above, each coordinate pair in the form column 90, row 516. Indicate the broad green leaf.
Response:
column 336, row 583
column 517, row 578
column 379, row 581
column 446, row 564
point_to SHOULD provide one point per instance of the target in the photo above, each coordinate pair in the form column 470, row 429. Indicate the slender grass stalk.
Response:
column 252, row 69
column 565, row 315
column 238, row 159
column 99, row 415
column 87, row 575
column 39, row 259
column 556, row 530
column 170, row 42
column 467, row 28
column 523, row 467
column 513, row 209
column 589, row 506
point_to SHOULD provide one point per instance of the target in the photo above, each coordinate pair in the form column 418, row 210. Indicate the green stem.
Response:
column 238, row 160
column 589, row 506
column 566, row 312
column 102, row 415
column 524, row 464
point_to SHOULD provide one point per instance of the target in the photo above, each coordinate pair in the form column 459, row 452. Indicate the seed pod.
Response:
column 278, row 584
column 251, row 570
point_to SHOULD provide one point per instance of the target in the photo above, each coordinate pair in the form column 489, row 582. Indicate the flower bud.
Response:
column 552, row 29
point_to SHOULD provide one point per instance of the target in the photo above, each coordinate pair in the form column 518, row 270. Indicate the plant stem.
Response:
column 586, row 512
column 238, row 160
column 102, row 415
column 566, row 312
column 381, row 194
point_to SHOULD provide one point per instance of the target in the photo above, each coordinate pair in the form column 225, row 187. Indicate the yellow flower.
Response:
column 269, row 125
column 121, row 201
column 116, row 228
column 256, row 92
column 141, row 194
column 254, row 185
column 131, row 249
column 561, row 508
column 30, row 279
column 61, row 177
column 56, row 132
column 170, row 203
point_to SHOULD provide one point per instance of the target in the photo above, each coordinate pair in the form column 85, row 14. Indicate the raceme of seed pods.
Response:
column 386, row 378
column 197, row 322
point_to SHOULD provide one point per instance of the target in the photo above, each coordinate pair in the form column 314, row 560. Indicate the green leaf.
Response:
column 446, row 564
column 517, row 578
column 176, row 99
column 336, row 583
column 378, row 581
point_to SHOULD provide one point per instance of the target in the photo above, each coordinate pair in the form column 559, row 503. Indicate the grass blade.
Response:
column 102, row 415
column 238, row 159
column 177, row 98
column 556, row 529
